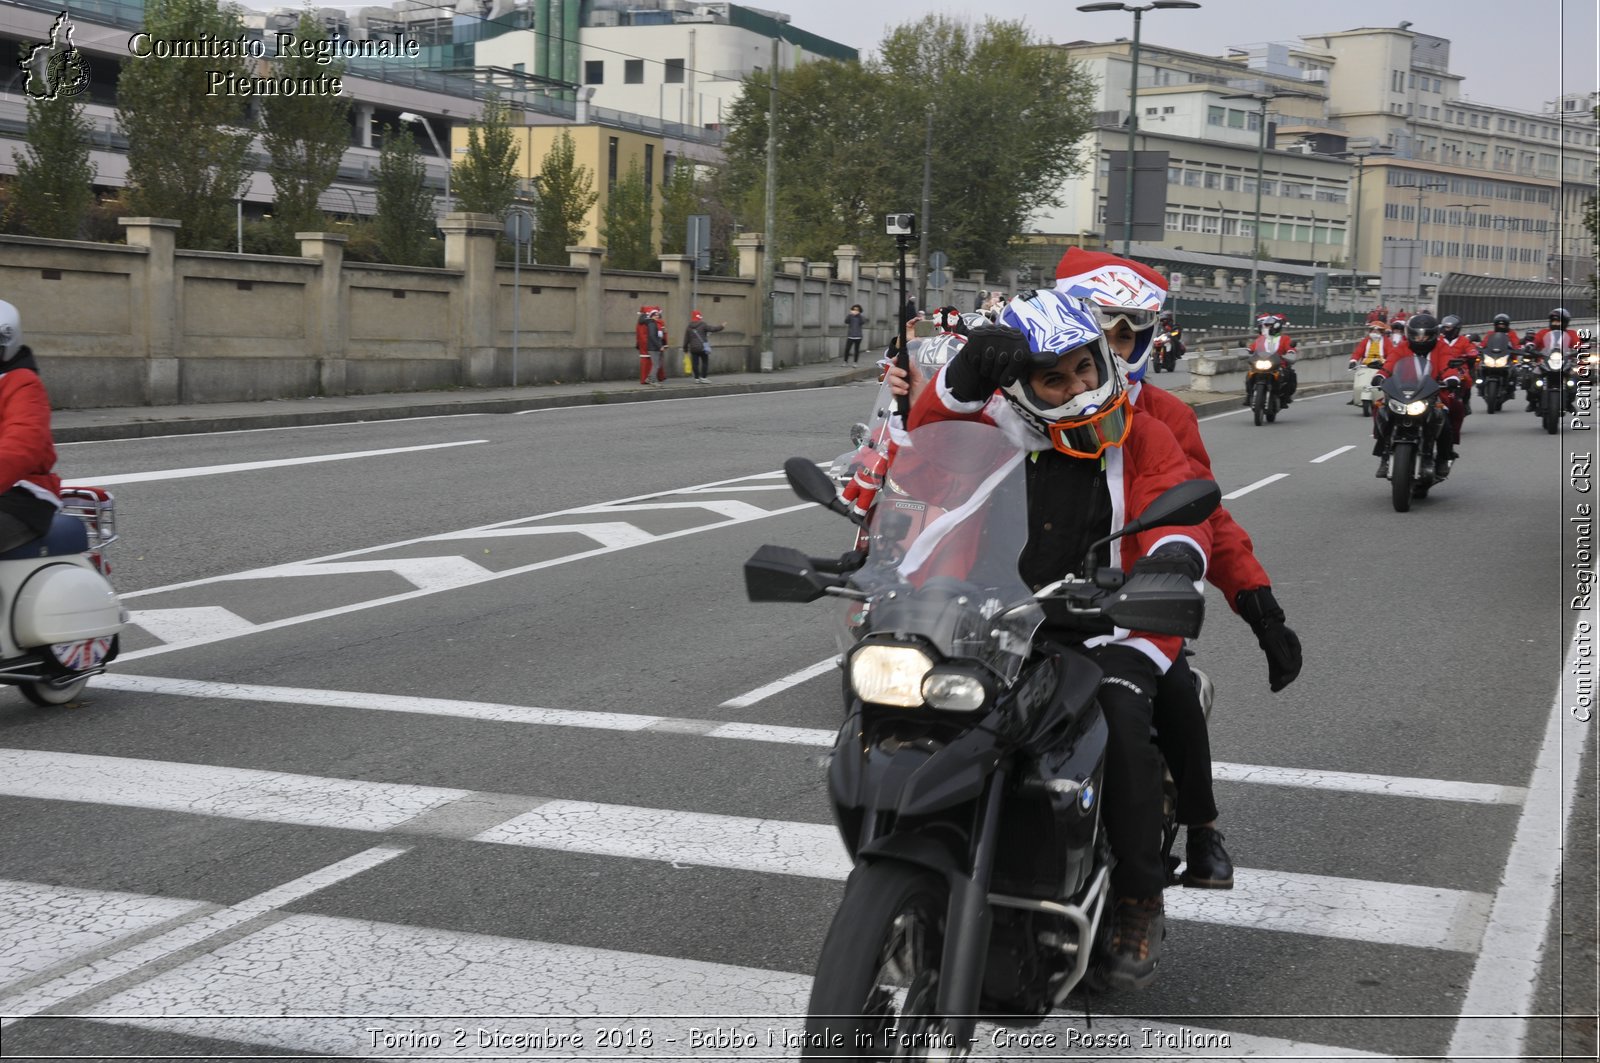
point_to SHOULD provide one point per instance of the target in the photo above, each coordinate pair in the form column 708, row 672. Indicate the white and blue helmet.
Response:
column 10, row 331
column 1117, row 288
column 1058, row 323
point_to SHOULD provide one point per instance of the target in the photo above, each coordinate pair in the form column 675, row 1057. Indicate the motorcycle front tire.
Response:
column 1552, row 421
column 1258, row 406
column 1491, row 395
column 889, row 924
column 1402, row 469
column 1366, row 407
column 1272, row 407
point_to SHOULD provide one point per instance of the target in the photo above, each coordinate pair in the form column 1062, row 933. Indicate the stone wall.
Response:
column 148, row 324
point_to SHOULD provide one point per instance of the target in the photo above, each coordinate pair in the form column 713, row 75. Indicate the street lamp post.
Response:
column 1464, row 214
column 1361, row 158
column 1262, row 98
column 1133, row 98
column 449, row 162
column 1423, row 186
column 927, row 191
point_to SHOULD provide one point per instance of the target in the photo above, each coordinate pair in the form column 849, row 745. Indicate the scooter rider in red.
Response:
column 29, row 487
column 1422, row 341
column 1124, row 294
column 1270, row 339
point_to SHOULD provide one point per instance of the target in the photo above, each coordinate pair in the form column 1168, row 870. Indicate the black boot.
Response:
column 1137, row 927
column 1383, row 467
column 1207, row 865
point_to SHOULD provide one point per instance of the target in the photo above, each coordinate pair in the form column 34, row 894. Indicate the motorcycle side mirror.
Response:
column 784, row 574
column 812, row 484
column 858, row 433
column 1188, row 503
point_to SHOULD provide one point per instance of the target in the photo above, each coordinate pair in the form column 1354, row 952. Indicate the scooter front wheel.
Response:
column 879, row 968
column 48, row 694
column 1366, row 407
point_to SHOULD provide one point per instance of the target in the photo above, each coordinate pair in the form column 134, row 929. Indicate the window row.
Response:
column 594, row 71
column 1211, row 224
column 1233, row 118
column 1270, row 186
column 1465, row 186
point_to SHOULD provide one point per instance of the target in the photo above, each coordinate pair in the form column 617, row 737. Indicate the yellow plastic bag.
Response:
column 688, row 365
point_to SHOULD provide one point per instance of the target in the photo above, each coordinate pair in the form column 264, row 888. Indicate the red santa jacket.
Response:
column 1232, row 566
column 1542, row 339
column 27, row 450
column 1462, row 348
column 1272, row 345
column 1438, row 362
column 1148, row 462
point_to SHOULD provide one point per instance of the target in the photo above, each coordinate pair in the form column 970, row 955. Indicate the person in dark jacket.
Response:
column 854, row 322
column 698, row 347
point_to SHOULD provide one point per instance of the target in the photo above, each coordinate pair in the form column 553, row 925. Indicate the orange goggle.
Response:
column 1089, row 438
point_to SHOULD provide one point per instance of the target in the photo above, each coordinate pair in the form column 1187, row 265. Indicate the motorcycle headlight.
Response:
column 1555, row 361
column 1493, row 363
column 954, row 690
column 1264, row 363
column 1410, row 409
column 889, row 675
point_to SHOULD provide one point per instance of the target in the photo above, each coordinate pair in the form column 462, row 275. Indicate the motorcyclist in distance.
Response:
column 1270, row 339
column 1422, row 341
column 27, row 449
column 1459, row 346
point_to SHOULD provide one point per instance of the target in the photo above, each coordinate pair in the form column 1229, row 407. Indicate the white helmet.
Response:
column 1120, row 292
column 1089, row 422
column 10, row 331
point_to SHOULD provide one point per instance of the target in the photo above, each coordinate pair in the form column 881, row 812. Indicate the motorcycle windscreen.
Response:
column 945, row 537
column 1411, row 379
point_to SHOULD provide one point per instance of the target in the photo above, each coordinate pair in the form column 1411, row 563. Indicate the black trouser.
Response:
column 701, row 361
column 1288, row 382
column 1183, row 741
column 852, row 345
column 1132, row 800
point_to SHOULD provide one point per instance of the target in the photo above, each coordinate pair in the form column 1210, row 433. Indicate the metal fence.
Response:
column 1473, row 298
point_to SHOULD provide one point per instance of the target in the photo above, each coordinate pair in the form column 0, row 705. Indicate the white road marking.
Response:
column 1274, row 478
column 250, row 466
column 606, row 533
column 180, row 625
column 465, row 533
column 1333, row 454
column 1356, row 782
column 1219, row 416
column 1308, row 778
column 1500, row 996
column 42, row 926
column 779, row 685
column 628, row 406
column 1353, row 909
column 185, row 937
column 424, row 573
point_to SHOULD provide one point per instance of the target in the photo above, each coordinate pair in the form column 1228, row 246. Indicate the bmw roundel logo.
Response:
column 1086, row 795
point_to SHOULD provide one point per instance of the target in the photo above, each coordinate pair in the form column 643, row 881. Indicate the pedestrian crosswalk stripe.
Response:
column 1308, row 778
column 352, row 987
column 45, row 925
column 1388, row 913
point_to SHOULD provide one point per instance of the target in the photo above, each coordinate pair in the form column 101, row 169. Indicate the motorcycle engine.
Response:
column 1015, row 978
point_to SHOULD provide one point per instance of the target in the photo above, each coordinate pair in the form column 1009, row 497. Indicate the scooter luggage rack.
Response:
column 97, row 509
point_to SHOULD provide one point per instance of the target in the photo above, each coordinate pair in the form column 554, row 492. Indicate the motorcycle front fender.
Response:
column 913, row 780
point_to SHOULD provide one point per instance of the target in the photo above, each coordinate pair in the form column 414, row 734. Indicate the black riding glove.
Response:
column 994, row 356
column 1277, row 640
column 1172, row 557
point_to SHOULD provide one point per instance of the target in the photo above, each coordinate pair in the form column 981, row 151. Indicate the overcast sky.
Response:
column 1504, row 47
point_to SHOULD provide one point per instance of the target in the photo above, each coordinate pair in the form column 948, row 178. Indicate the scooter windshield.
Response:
column 945, row 536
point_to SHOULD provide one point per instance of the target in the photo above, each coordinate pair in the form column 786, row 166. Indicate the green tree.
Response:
column 305, row 137
column 54, row 187
column 405, row 220
column 1008, row 113
column 188, row 150
column 627, row 229
column 680, row 197
column 485, row 180
column 566, row 194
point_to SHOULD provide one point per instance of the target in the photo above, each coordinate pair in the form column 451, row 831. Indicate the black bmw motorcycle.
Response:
column 1496, row 380
column 1413, row 405
column 966, row 779
column 1554, row 383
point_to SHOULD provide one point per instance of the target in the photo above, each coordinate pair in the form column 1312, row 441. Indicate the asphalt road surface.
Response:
column 456, row 738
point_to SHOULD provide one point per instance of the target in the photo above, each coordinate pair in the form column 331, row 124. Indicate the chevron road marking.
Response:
column 1352, row 909
column 181, row 625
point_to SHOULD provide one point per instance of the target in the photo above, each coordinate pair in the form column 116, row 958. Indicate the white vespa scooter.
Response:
column 62, row 618
column 1364, row 394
